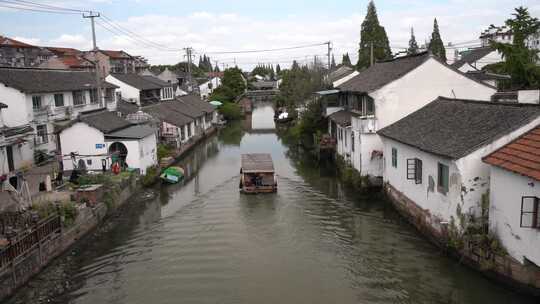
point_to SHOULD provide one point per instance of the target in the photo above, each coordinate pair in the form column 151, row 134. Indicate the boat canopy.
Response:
column 257, row 163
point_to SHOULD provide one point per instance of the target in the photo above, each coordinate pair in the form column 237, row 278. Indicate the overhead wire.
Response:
column 48, row 6
column 11, row 5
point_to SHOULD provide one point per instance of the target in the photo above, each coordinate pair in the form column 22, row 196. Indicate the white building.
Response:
column 433, row 157
column 39, row 99
column 142, row 90
column 389, row 91
column 477, row 58
column 98, row 139
column 514, row 213
column 206, row 88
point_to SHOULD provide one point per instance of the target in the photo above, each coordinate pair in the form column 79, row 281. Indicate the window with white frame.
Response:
column 414, row 170
column 394, row 157
column 352, row 141
column 37, row 103
column 94, row 96
column 41, row 137
column 530, row 212
column 442, row 178
column 59, row 100
column 79, row 98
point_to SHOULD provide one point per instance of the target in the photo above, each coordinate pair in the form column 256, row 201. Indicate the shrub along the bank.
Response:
column 150, row 177
column 230, row 111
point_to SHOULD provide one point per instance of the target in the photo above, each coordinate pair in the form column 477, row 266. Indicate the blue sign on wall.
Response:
column 100, row 146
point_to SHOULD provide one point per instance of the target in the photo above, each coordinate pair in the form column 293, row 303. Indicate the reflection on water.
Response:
column 314, row 241
column 263, row 117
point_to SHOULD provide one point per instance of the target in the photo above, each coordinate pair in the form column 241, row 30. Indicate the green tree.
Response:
column 372, row 35
column 436, row 45
column 333, row 63
column 413, row 46
column 346, row 60
column 232, row 86
column 519, row 60
column 278, row 70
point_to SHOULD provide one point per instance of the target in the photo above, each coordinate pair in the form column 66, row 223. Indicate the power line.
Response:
column 48, row 6
column 11, row 5
column 266, row 50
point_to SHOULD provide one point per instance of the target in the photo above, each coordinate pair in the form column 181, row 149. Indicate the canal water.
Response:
column 315, row 241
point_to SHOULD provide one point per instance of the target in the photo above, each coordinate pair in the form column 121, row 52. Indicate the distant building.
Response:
column 502, row 34
column 15, row 53
column 207, row 87
column 476, row 59
column 116, row 62
column 142, row 90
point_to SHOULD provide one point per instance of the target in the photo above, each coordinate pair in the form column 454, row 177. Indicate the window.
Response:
column 36, row 103
column 94, row 96
column 414, row 170
column 109, row 95
column 352, row 141
column 189, row 130
column 182, row 133
column 394, row 157
column 345, row 139
column 78, row 98
column 530, row 213
column 42, row 137
column 58, row 100
column 442, row 178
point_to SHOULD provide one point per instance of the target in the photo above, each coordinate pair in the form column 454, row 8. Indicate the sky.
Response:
column 209, row 26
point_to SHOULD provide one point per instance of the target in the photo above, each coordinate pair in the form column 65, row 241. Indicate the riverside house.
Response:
column 385, row 93
column 514, row 214
column 38, row 100
column 97, row 139
column 433, row 169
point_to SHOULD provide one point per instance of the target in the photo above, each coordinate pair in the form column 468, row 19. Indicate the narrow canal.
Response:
column 313, row 242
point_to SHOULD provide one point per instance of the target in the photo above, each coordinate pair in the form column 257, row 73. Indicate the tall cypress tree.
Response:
column 372, row 34
column 436, row 45
column 346, row 60
column 333, row 63
column 413, row 46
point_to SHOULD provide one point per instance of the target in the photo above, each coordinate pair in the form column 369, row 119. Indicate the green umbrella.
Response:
column 216, row 103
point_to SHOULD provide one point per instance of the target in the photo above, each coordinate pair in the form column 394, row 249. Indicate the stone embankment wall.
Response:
column 16, row 273
column 504, row 269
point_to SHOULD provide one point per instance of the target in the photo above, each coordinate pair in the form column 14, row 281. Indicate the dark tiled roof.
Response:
column 472, row 56
column 186, row 107
column 263, row 84
column 342, row 118
column 169, row 112
column 522, row 156
column 132, row 132
column 126, row 108
column 138, row 81
column 157, row 81
column 485, row 75
column 340, row 72
column 196, row 102
column 32, row 80
column 62, row 51
column 105, row 121
column 454, row 127
column 382, row 73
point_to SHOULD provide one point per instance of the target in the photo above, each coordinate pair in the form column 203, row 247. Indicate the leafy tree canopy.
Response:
column 436, row 45
column 372, row 34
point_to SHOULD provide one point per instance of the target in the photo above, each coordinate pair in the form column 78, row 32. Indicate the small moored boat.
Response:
column 257, row 174
column 172, row 175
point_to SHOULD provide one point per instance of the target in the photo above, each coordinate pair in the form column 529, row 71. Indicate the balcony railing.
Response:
column 368, row 124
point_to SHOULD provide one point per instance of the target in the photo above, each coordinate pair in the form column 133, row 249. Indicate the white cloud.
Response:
column 459, row 20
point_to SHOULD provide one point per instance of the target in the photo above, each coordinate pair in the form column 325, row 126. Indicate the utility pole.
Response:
column 93, row 15
column 329, row 44
column 371, row 56
column 188, row 55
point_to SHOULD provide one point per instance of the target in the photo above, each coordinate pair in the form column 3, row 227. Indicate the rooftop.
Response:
column 169, row 112
column 116, row 54
column 522, row 156
column 141, row 82
column 454, row 128
column 382, row 73
column 32, row 80
column 257, row 162
column 132, row 132
column 6, row 41
column 105, row 121
column 472, row 56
